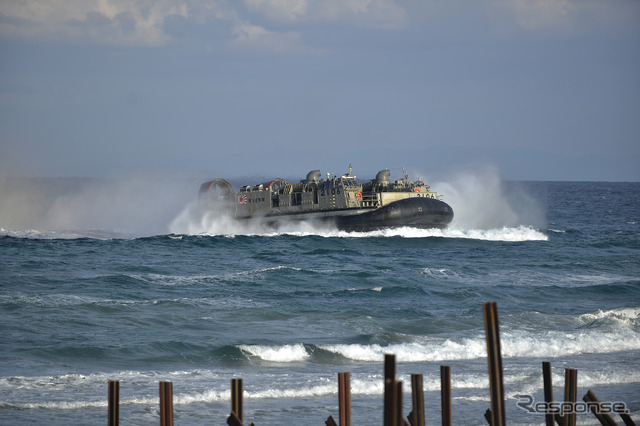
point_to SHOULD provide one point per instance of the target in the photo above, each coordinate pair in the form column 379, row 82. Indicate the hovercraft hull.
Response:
column 423, row 213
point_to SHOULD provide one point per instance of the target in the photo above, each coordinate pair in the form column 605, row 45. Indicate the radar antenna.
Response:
column 405, row 176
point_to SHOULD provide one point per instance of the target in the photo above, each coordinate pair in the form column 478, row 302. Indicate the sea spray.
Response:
column 118, row 206
column 481, row 200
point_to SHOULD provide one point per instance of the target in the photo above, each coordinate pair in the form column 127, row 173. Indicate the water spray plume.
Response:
column 74, row 206
column 481, row 200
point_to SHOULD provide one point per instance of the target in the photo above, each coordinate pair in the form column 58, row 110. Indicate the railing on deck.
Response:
column 370, row 199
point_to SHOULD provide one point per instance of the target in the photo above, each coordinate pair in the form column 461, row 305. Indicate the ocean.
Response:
column 104, row 287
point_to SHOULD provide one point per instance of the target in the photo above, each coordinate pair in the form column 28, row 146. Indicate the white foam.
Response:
column 270, row 269
column 518, row 233
column 557, row 343
column 286, row 353
column 619, row 336
column 515, row 344
column 625, row 316
column 50, row 389
column 413, row 351
column 605, row 377
column 439, row 273
column 40, row 234
column 228, row 227
column 208, row 395
column 511, row 234
column 298, row 392
column 58, row 405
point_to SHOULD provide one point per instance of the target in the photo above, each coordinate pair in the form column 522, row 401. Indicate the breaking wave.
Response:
column 601, row 332
column 286, row 353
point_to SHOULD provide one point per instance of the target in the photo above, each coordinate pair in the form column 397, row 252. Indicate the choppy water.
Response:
column 204, row 302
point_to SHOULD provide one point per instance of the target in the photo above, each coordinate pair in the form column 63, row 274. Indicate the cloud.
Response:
column 280, row 10
column 277, row 25
column 542, row 13
column 384, row 14
column 142, row 23
column 530, row 14
column 113, row 22
column 118, row 22
column 563, row 15
column 257, row 37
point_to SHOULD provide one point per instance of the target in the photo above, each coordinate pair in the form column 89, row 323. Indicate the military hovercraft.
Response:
column 339, row 201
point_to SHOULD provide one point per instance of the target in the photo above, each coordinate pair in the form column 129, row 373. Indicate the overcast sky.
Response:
column 538, row 89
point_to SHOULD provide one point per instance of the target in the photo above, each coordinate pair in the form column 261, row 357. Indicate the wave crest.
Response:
column 287, row 353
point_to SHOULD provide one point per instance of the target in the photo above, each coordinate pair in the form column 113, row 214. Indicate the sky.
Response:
column 536, row 89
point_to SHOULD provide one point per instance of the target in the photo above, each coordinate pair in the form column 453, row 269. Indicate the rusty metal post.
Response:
column 626, row 418
column 548, row 392
column 236, row 399
column 570, row 395
column 416, row 417
column 166, row 404
column 389, row 389
column 389, row 403
column 114, row 402
column 487, row 416
column 232, row 420
column 344, row 398
column 330, row 422
column 445, row 394
column 398, row 418
column 596, row 408
column 494, row 359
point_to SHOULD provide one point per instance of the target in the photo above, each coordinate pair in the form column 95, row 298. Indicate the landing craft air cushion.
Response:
column 339, row 201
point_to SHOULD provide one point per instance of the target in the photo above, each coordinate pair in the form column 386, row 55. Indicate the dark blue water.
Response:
column 206, row 301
